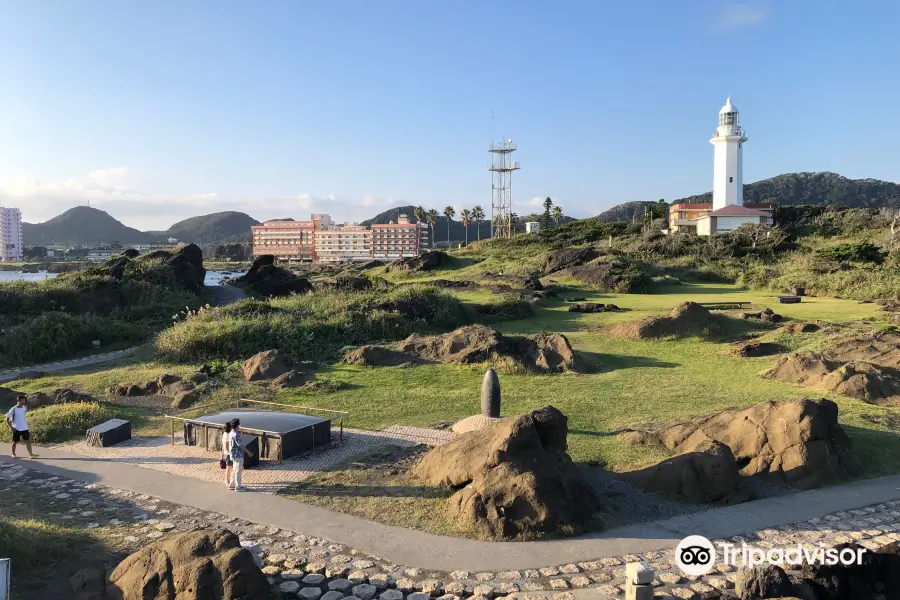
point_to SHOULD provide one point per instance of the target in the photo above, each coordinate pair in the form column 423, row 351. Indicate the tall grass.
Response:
column 62, row 422
column 313, row 327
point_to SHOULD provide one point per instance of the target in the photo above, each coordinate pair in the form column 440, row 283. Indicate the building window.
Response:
column 731, row 180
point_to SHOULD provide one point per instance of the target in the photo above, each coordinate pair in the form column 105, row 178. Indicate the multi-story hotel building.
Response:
column 11, row 242
column 320, row 240
column 398, row 240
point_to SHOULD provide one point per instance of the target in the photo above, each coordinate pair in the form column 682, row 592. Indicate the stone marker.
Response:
column 490, row 395
column 638, row 579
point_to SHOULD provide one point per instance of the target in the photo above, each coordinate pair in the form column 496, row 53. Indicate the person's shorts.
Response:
column 228, row 461
column 21, row 435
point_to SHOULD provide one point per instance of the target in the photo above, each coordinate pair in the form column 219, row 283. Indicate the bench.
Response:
column 788, row 299
column 251, row 443
column 109, row 433
column 739, row 304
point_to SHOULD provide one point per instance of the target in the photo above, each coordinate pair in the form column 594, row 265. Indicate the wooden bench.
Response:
column 109, row 433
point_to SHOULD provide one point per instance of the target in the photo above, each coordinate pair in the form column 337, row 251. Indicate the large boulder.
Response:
column 513, row 478
column 267, row 280
column 378, row 356
column 767, row 581
column 798, row 442
column 877, row 577
column 867, row 381
column 479, row 344
column 92, row 584
column 187, row 262
column 268, row 364
column 197, row 565
column 68, row 395
column 427, row 261
column 565, row 258
column 39, row 399
column 707, row 474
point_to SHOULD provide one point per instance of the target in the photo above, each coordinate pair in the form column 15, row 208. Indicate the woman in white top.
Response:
column 226, row 454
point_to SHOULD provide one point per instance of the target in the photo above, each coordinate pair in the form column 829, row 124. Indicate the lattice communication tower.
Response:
column 502, row 166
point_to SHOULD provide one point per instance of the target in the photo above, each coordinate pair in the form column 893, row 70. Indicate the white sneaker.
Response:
column 240, row 488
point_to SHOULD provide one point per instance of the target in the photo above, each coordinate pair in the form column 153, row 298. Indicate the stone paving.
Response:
column 192, row 461
column 307, row 567
column 94, row 359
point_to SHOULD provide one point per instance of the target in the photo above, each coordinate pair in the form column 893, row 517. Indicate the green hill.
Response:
column 817, row 189
column 213, row 228
column 624, row 212
column 82, row 226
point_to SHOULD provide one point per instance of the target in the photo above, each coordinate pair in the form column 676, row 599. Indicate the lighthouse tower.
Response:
column 728, row 171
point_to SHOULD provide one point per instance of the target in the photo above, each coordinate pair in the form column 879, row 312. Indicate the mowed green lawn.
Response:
column 639, row 383
column 635, row 383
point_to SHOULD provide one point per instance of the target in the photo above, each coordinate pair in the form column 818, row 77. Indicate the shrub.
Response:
column 853, row 252
column 510, row 308
column 62, row 422
column 313, row 327
column 53, row 335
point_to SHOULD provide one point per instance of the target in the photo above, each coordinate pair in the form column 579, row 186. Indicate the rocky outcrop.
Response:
column 524, row 282
column 766, row 314
column 378, row 356
column 197, row 565
column 291, row 379
column 686, row 319
column 268, row 364
column 767, row 581
column 59, row 396
column 513, row 478
column 427, row 261
column 479, row 344
column 873, row 383
column 757, row 348
column 709, row 473
column 798, row 442
column 877, row 576
column 267, row 280
column 565, row 258
column 591, row 307
column 345, row 283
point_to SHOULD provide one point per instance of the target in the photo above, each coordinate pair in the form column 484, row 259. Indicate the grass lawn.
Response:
column 638, row 383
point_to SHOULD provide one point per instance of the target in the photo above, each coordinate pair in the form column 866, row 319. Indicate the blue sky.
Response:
column 156, row 111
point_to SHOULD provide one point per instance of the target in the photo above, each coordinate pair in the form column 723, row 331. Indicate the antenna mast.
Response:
column 502, row 166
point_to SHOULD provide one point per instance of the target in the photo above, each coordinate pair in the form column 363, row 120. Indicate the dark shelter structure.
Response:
column 278, row 434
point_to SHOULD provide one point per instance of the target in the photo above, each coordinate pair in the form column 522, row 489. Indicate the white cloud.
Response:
column 110, row 190
column 735, row 15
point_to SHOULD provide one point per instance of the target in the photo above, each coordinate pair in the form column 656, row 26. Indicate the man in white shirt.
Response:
column 15, row 418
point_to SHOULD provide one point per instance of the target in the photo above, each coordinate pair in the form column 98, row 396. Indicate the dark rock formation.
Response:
column 427, row 261
column 799, row 441
column 197, row 565
column 686, row 319
column 767, row 581
column 268, row 364
column 513, row 478
column 267, row 280
column 566, row 258
column 709, row 473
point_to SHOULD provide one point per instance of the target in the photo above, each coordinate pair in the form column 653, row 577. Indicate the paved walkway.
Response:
column 428, row 551
column 158, row 453
column 63, row 365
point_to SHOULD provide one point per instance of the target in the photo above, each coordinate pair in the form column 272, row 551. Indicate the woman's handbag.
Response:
column 223, row 463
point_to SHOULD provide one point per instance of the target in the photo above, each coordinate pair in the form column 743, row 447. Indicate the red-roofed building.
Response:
column 686, row 217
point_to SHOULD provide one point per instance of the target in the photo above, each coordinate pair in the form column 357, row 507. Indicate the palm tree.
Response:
column 449, row 212
column 478, row 215
column 513, row 223
column 432, row 216
column 533, row 217
column 419, row 212
column 466, row 217
column 556, row 215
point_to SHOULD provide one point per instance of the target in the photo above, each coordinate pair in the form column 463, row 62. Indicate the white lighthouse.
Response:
column 728, row 172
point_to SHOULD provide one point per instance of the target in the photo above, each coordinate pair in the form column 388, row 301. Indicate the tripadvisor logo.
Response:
column 695, row 555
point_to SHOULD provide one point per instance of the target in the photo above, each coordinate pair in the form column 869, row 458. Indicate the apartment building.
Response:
column 11, row 242
column 320, row 240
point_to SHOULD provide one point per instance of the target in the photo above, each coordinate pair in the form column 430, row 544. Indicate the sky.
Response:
column 158, row 111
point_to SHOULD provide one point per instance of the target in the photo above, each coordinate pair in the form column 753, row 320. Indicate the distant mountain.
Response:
column 86, row 226
column 82, row 226
column 209, row 229
column 625, row 212
column 817, row 188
